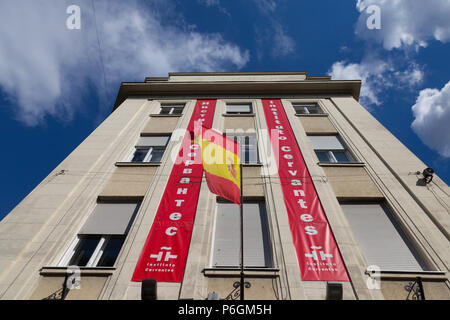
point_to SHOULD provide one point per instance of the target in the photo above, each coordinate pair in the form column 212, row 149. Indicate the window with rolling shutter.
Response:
column 100, row 240
column 380, row 238
column 307, row 108
column 149, row 149
column 153, row 141
column 330, row 149
column 245, row 108
column 171, row 109
column 109, row 218
column 257, row 248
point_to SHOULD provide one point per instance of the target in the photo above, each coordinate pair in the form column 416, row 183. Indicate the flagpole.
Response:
column 242, row 234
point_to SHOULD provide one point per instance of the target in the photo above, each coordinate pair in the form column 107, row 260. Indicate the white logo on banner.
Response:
column 323, row 255
column 160, row 255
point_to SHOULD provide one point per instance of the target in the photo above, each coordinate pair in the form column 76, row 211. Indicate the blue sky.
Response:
column 57, row 84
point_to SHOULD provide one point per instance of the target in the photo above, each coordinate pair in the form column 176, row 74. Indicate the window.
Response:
column 171, row 109
column 330, row 149
column 249, row 146
column 380, row 238
column 307, row 108
column 96, row 251
column 100, row 240
column 257, row 248
column 150, row 149
column 244, row 108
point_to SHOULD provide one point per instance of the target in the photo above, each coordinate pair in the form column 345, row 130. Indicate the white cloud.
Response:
column 282, row 43
column 209, row 3
column 411, row 77
column 376, row 76
column 214, row 3
column 371, row 75
column 266, row 6
column 45, row 68
column 406, row 23
column 432, row 119
column 271, row 35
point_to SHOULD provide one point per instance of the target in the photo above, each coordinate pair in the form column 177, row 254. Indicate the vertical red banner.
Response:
column 318, row 256
column 165, row 251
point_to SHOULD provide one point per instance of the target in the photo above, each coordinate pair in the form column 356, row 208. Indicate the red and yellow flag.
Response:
column 220, row 158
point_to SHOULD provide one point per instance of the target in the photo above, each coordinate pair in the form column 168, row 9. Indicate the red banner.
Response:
column 167, row 245
column 318, row 256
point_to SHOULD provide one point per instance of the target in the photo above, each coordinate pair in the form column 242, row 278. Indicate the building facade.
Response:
column 82, row 231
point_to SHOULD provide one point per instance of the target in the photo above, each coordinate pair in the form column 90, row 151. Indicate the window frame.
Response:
column 239, row 112
column 268, row 230
column 103, row 240
column 305, row 108
column 149, row 154
column 172, row 107
column 332, row 156
column 331, row 152
column 401, row 231
column 97, row 253
column 246, row 147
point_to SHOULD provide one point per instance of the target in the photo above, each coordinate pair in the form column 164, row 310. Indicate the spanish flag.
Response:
column 220, row 158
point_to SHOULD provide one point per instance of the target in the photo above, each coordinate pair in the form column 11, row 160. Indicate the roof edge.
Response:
column 220, row 88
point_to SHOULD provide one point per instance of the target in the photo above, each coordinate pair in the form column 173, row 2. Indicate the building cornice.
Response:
column 158, row 87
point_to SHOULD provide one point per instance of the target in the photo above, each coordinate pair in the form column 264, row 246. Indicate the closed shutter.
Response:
column 227, row 233
column 155, row 141
column 239, row 108
column 109, row 219
column 380, row 238
column 256, row 236
column 326, row 143
column 257, row 250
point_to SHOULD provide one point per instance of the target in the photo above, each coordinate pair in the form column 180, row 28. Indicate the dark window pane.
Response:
column 314, row 109
column 85, row 248
column 177, row 110
column 139, row 155
column 110, row 252
column 342, row 156
column 157, row 155
column 300, row 109
column 307, row 109
column 172, row 109
column 248, row 147
column 323, row 156
column 164, row 110
column 250, row 155
column 245, row 155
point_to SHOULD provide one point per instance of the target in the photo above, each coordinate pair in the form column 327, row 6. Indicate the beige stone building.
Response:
column 80, row 232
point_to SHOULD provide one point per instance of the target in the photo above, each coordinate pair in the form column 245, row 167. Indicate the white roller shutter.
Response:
column 380, row 238
column 326, row 143
column 239, row 108
column 154, row 141
column 257, row 252
column 109, row 219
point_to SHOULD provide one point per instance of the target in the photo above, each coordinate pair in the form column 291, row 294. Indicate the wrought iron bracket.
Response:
column 415, row 290
column 236, row 293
